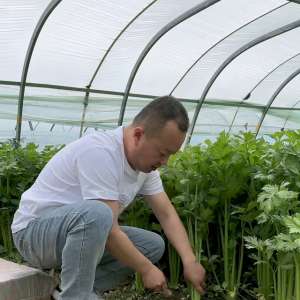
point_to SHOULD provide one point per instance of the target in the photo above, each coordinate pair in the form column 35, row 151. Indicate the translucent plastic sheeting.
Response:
column 57, row 106
column 103, row 110
column 286, row 118
column 261, row 79
column 7, row 129
column 48, row 134
column 71, row 51
column 197, row 34
column 293, row 94
column 278, row 20
column 8, row 109
column 78, row 34
column 181, row 47
column 263, row 90
column 293, row 117
column 8, row 102
column 216, row 116
column 248, row 118
column 198, row 77
column 17, row 22
column 75, row 37
column 214, row 119
column 127, row 49
column 290, row 95
column 42, row 109
column 251, row 67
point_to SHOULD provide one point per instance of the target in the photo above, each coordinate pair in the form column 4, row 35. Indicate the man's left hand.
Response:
column 195, row 274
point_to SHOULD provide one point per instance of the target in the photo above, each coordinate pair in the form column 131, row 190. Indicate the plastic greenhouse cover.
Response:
column 96, row 44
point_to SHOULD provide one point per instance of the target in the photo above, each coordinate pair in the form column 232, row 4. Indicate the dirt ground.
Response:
column 129, row 293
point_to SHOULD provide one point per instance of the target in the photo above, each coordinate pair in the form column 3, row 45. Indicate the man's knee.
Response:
column 149, row 243
column 159, row 247
column 153, row 246
column 95, row 214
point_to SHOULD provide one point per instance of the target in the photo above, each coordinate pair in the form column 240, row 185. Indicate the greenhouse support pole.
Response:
column 237, row 110
column 279, row 89
column 49, row 9
column 152, row 42
column 258, row 84
column 234, row 55
column 85, row 104
column 291, row 111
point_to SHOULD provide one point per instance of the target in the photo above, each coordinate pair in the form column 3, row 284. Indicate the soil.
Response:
column 129, row 293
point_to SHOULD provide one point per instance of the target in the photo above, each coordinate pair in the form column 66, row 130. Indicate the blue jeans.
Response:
column 72, row 238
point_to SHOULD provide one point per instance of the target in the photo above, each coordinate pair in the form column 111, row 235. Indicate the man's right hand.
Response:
column 154, row 279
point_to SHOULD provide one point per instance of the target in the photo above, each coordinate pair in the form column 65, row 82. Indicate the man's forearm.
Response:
column 177, row 235
column 120, row 246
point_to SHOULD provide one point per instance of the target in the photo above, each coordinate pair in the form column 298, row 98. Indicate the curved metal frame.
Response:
column 279, row 89
column 219, row 42
column 152, row 42
column 259, row 82
column 86, row 98
column 291, row 111
column 72, row 88
column 47, row 12
column 227, row 61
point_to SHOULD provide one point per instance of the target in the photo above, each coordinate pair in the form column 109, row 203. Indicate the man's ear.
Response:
column 138, row 133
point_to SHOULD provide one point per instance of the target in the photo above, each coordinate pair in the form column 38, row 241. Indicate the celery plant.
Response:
column 229, row 173
column 264, row 269
column 196, row 241
column 174, row 266
column 197, row 221
column 293, row 225
column 278, row 251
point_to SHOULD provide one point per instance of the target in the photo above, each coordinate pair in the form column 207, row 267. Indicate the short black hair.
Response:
column 158, row 112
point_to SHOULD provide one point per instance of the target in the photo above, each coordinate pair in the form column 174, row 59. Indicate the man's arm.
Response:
column 176, row 234
column 120, row 246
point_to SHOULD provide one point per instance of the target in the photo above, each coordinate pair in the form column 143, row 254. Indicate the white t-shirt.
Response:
column 93, row 167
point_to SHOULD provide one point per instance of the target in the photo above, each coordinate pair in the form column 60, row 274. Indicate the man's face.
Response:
column 153, row 152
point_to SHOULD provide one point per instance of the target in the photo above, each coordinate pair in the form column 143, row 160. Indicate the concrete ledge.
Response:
column 19, row 282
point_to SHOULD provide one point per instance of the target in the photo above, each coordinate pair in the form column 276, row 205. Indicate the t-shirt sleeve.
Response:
column 98, row 172
column 152, row 184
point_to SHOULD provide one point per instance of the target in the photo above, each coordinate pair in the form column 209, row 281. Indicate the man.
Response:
column 68, row 219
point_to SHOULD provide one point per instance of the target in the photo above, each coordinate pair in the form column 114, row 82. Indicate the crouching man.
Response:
column 68, row 219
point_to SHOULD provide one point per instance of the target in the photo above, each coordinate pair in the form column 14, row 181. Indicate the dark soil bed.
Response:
column 129, row 293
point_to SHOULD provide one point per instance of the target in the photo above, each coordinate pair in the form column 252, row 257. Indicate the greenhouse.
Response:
column 69, row 69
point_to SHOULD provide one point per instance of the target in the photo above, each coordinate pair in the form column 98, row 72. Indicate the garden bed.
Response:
column 128, row 292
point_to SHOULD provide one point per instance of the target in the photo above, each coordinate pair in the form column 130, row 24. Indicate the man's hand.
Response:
column 195, row 274
column 154, row 279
